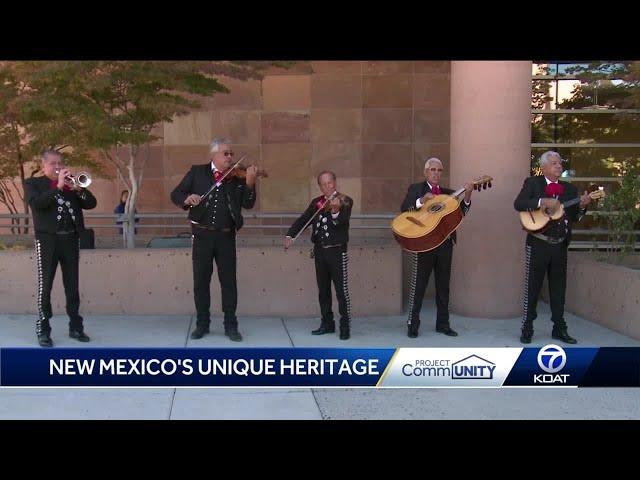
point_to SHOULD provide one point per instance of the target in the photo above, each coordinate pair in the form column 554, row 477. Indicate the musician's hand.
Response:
column 549, row 206
column 252, row 174
column 61, row 176
column 427, row 196
column 468, row 190
column 585, row 199
column 192, row 200
column 335, row 204
column 287, row 242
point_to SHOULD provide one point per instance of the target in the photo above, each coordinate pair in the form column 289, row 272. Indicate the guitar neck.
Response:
column 571, row 203
column 458, row 192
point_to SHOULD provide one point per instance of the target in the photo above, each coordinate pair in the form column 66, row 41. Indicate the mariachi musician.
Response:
column 438, row 259
column 214, row 194
column 57, row 200
column 329, row 215
column 546, row 253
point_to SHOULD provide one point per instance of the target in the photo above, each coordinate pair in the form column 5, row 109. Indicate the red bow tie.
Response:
column 554, row 190
column 217, row 175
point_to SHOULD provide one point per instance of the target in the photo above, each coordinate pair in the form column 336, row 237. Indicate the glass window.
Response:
column 589, row 112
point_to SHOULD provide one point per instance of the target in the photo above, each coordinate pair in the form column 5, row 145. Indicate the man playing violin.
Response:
column 329, row 216
column 547, row 251
column 438, row 259
column 215, row 219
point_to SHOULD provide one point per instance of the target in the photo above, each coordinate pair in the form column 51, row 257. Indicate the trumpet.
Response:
column 81, row 180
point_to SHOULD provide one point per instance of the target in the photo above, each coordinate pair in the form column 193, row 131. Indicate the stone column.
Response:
column 490, row 135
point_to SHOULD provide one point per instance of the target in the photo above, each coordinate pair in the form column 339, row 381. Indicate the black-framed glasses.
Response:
column 435, row 169
column 229, row 153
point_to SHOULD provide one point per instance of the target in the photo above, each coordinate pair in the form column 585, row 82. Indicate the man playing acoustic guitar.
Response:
column 547, row 250
column 438, row 259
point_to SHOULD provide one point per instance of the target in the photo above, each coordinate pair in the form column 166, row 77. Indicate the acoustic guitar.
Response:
column 534, row 221
column 429, row 226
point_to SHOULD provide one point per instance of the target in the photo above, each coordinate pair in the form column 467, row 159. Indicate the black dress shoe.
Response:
column 412, row 332
column 199, row 332
column 234, row 335
column 447, row 331
column 324, row 328
column 79, row 335
column 564, row 336
column 526, row 337
column 45, row 340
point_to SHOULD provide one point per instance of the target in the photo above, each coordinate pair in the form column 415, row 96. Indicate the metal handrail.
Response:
column 116, row 217
column 183, row 224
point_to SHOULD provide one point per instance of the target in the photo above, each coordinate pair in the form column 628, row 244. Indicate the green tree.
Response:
column 21, row 140
column 621, row 213
column 110, row 105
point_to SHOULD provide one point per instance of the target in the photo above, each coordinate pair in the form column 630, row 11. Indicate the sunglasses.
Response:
column 435, row 169
column 228, row 153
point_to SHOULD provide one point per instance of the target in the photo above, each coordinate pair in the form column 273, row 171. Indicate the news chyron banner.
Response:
column 548, row 366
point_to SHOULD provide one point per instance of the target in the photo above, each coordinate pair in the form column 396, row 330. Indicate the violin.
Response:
column 241, row 172
column 344, row 201
column 326, row 206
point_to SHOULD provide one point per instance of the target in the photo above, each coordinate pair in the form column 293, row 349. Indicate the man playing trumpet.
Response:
column 57, row 200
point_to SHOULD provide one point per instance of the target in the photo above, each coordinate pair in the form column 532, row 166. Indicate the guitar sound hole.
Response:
column 436, row 207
